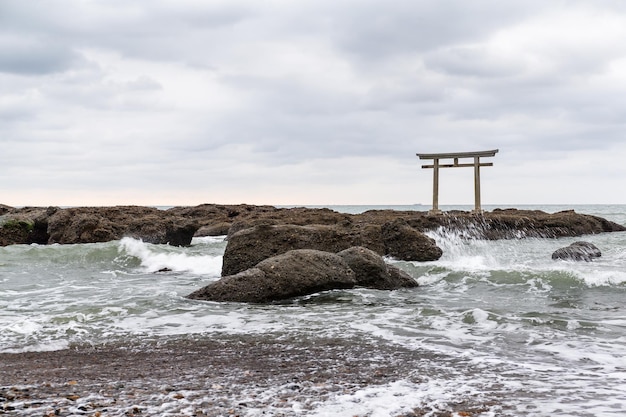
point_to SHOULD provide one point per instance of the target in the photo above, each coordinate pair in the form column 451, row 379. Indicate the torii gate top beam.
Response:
column 456, row 156
column 450, row 155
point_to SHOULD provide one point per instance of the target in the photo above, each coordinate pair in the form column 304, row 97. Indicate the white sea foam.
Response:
column 430, row 397
column 377, row 401
column 155, row 258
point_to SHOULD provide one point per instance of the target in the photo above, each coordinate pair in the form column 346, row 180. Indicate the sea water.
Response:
column 502, row 318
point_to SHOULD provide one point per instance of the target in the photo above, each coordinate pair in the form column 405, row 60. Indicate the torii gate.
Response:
column 455, row 157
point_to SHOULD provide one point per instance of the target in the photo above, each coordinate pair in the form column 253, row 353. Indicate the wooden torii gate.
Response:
column 455, row 156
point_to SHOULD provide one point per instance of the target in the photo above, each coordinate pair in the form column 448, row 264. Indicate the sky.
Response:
column 310, row 102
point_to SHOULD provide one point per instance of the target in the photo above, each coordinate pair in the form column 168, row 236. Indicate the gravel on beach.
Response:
column 236, row 376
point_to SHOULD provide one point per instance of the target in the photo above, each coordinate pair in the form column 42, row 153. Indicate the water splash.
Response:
column 162, row 257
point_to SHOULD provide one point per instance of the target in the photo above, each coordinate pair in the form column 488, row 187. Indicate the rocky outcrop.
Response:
column 249, row 246
column 513, row 224
column 25, row 226
column 219, row 219
column 578, row 251
column 306, row 271
column 96, row 224
column 291, row 274
column 83, row 225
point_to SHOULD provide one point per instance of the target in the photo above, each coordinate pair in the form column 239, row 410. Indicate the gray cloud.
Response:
column 251, row 101
column 34, row 56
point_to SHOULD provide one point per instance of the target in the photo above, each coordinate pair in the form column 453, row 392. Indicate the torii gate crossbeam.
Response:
column 455, row 156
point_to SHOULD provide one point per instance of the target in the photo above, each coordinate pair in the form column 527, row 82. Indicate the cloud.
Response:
column 305, row 102
column 34, row 56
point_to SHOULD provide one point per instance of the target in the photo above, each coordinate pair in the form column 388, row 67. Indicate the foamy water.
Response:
column 504, row 320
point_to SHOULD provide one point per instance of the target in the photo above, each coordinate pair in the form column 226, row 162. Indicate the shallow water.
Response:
column 504, row 321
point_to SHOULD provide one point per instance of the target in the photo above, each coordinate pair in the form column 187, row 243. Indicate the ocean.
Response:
column 495, row 323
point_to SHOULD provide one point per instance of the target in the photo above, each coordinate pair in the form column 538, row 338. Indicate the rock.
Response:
column 25, row 226
column 102, row 224
column 514, row 224
column 578, row 251
column 371, row 271
column 291, row 274
column 243, row 216
column 98, row 224
column 218, row 229
column 250, row 246
column 404, row 242
column 247, row 247
column 5, row 209
column 14, row 231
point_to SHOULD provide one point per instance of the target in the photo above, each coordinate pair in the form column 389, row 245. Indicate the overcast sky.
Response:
column 299, row 102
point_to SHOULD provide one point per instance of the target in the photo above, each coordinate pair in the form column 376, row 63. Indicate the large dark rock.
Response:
column 404, row 242
column 291, row 274
column 101, row 224
column 250, row 246
column 578, row 251
column 373, row 272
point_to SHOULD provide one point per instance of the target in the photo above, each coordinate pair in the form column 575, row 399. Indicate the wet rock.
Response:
column 404, row 242
column 513, row 223
column 99, row 224
column 250, row 246
column 578, row 251
column 102, row 224
column 25, row 226
column 291, row 274
column 243, row 216
column 247, row 247
column 371, row 271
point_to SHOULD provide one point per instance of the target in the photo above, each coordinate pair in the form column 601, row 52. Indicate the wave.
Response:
column 518, row 261
column 154, row 258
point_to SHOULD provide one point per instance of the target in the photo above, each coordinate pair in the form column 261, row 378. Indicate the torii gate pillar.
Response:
column 455, row 157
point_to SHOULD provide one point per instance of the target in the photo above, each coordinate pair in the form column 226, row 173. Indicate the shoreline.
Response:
column 239, row 375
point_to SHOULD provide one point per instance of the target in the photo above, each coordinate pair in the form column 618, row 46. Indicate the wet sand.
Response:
column 237, row 376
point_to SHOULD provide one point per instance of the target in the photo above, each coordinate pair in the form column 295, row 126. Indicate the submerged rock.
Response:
column 578, row 251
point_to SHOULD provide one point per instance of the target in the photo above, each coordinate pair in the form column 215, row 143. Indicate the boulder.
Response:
column 291, row 274
column 372, row 271
column 250, row 246
column 578, row 251
column 404, row 242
